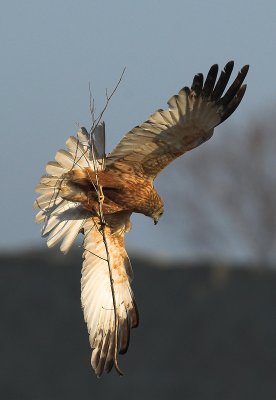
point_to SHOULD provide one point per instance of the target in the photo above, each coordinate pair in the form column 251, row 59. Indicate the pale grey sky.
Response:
column 51, row 50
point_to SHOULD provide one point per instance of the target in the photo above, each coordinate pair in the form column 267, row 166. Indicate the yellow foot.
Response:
column 100, row 195
column 101, row 198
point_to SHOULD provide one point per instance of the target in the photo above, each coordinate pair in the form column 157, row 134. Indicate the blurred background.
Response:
column 205, row 278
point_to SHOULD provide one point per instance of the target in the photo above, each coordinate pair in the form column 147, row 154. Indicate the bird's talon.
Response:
column 101, row 198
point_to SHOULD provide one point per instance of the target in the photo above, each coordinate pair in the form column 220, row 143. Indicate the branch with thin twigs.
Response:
column 98, row 188
column 97, row 120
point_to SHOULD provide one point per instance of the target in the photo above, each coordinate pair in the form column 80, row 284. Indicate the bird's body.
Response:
column 86, row 191
column 122, row 191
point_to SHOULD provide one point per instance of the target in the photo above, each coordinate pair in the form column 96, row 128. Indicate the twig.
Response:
column 98, row 189
column 102, row 231
column 103, row 226
column 97, row 120
column 91, row 104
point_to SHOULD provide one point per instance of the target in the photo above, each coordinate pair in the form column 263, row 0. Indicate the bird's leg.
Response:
column 100, row 195
column 100, row 201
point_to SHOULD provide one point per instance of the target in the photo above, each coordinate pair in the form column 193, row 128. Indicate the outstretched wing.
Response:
column 190, row 120
column 96, row 294
column 63, row 219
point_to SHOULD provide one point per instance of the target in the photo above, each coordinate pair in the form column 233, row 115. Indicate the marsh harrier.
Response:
column 82, row 178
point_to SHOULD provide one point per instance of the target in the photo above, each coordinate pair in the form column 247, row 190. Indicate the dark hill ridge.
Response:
column 205, row 333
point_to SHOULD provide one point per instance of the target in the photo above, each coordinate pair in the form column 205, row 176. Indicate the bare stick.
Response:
column 97, row 120
column 102, row 231
column 103, row 225
column 95, row 123
column 91, row 104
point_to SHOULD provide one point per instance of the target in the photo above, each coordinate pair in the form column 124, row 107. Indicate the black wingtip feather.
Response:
column 234, row 88
column 134, row 316
column 210, row 80
column 108, row 366
column 197, row 84
column 229, row 65
column 222, row 81
column 124, row 337
column 213, row 89
column 234, row 103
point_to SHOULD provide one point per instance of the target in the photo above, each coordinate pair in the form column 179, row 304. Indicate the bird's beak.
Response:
column 155, row 221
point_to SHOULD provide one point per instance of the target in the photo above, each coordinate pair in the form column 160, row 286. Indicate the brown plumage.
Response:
column 69, row 200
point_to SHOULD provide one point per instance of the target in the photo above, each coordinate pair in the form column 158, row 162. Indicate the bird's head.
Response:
column 155, row 206
column 156, row 216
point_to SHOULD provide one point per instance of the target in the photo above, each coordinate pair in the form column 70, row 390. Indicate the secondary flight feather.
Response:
column 84, row 188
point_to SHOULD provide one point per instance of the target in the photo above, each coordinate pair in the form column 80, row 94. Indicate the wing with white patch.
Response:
column 96, row 293
column 64, row 219
column 190, row 120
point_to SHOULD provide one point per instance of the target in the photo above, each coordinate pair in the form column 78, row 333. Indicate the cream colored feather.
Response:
column 96, row 295
column 188, row 122
column 63, row 220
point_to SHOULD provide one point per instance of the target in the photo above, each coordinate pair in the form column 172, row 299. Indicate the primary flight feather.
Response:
column 69, row 201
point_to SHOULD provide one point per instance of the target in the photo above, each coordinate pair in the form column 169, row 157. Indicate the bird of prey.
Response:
column 86, row 191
